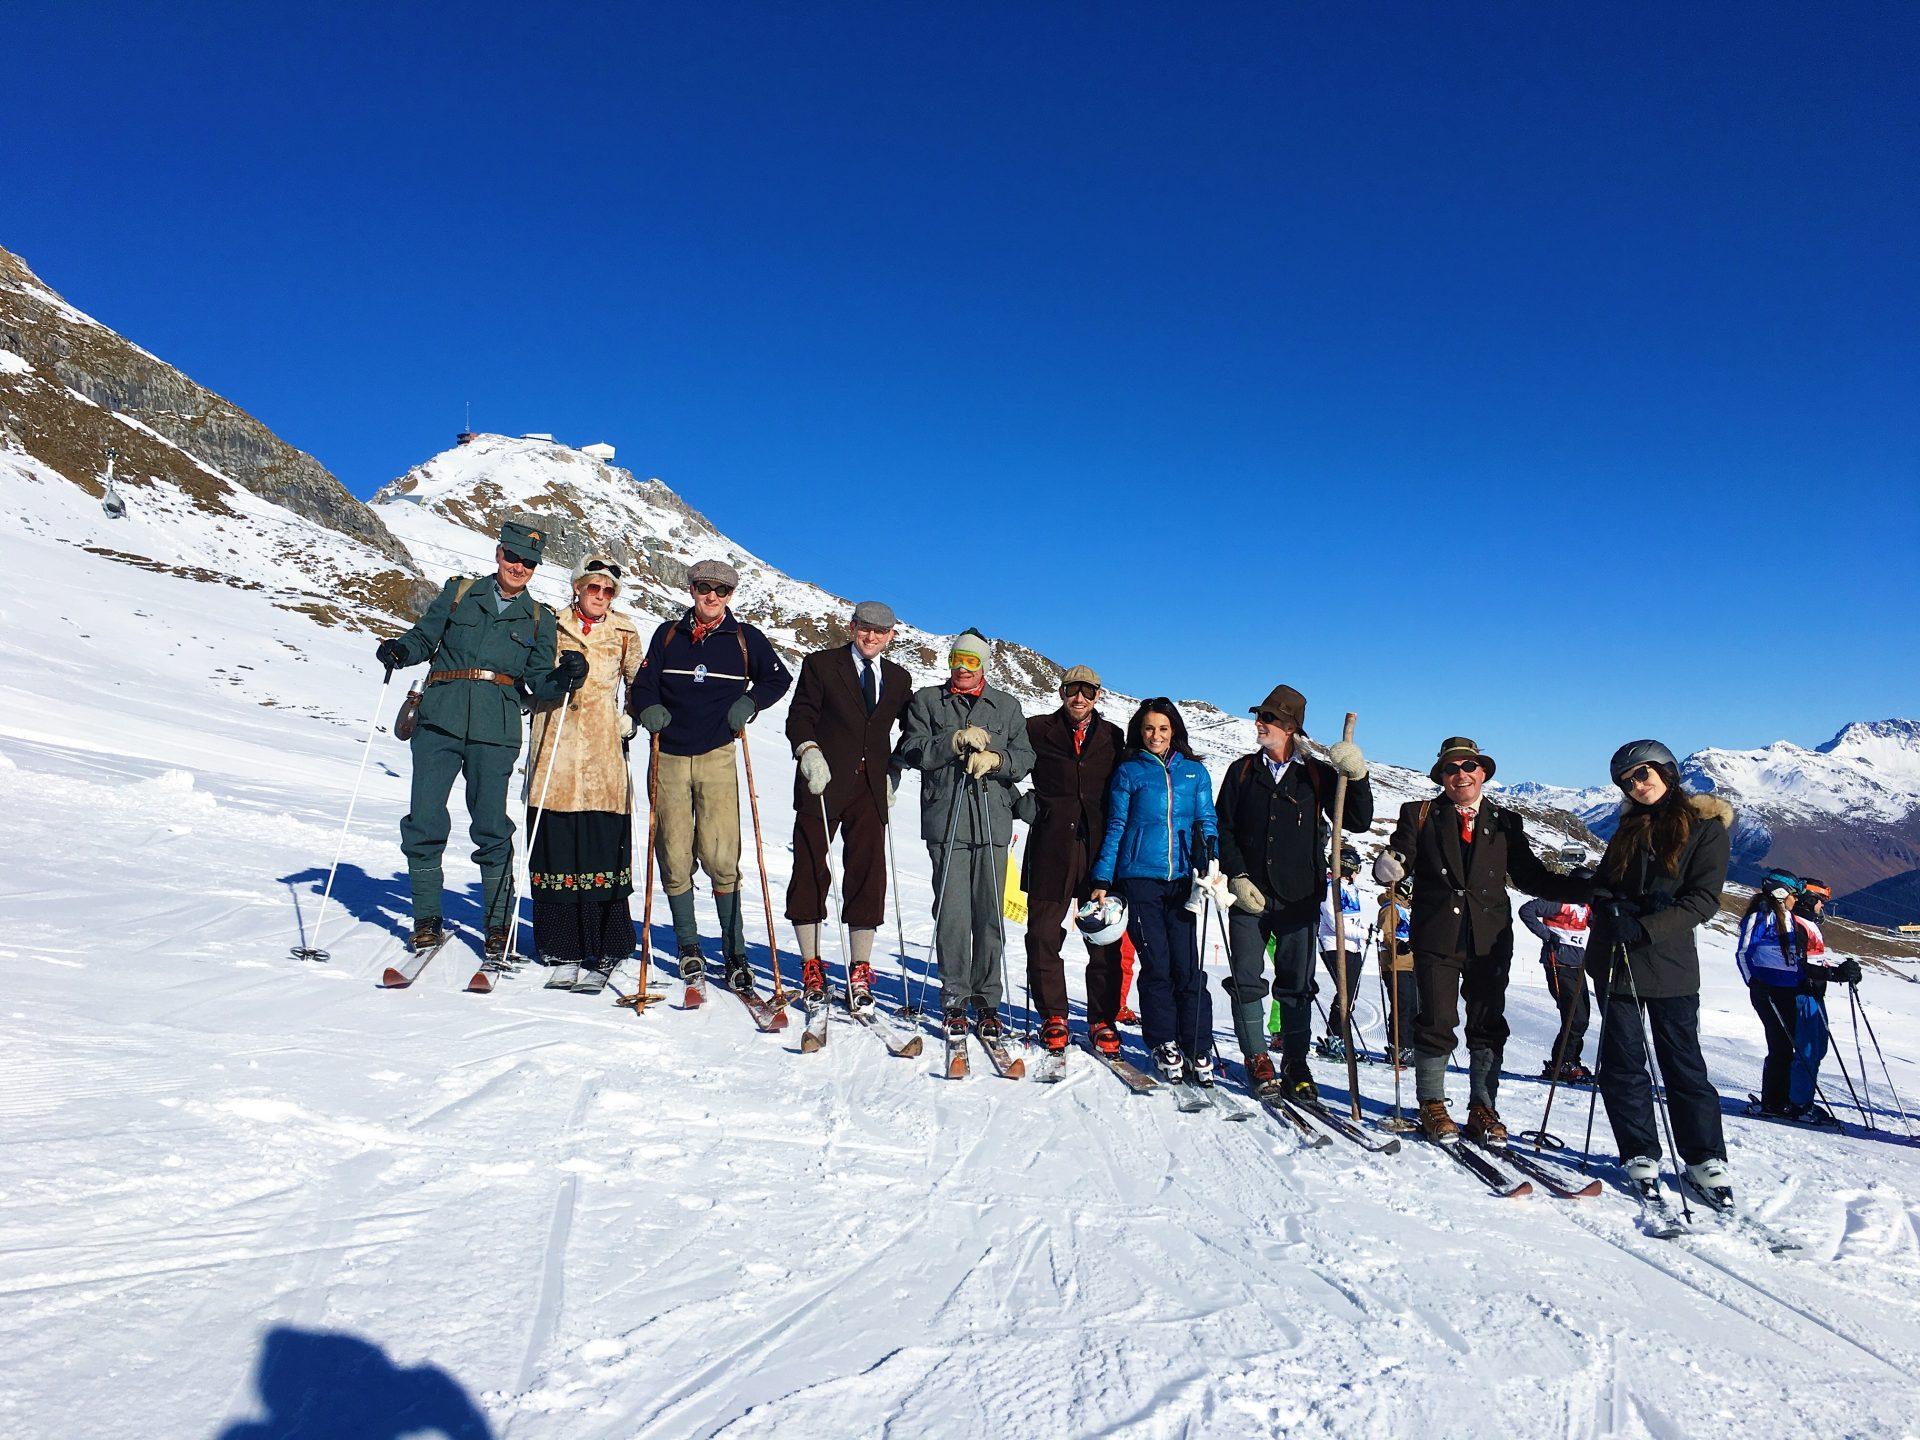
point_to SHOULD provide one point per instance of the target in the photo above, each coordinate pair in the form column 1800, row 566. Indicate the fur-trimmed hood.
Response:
column 1711, row 807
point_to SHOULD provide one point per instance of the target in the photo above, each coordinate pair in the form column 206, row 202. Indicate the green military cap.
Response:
column 526, row 541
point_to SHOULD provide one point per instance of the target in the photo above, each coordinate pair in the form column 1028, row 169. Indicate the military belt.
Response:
column 492, row 675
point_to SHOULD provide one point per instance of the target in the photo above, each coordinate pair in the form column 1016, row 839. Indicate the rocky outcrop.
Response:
column 117, row 375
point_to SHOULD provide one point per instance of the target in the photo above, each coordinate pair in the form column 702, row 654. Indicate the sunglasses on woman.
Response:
column 707, row 587
column 1459, row 767
column 1638, row 775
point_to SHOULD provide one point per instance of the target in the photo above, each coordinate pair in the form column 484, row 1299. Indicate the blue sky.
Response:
column 1542, row 373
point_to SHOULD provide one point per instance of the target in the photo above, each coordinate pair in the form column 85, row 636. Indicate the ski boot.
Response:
column 956, row 1024
column 1570, row 1072
column 1811, row 1113
column 1200, row 1071
column 426, row 935
column 693, row 967
column 1126, row 1017
column 1296, row 1082
column 1104, row 1037
column 860, row 988
column 1712, row 1181
column 1484, row 1125
column 1276, row 1042
column 1262, row 1078
column 1053, row 1035
column 1172, row 1064
column 1436, row 1124
column 1643, row 1175
column 496, row 951
column 1330, row 1047
column 986, row 1024
column 739, row 974
column 813, row 982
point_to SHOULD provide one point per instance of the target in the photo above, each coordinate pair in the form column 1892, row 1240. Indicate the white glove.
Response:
column 892, row 790
column 1389, row 867
column 969, row 738
column 982, row 763
column 1215, row 884
column 813, row 768
column 1247, row 895
column 1345, row 757
column 627, row 727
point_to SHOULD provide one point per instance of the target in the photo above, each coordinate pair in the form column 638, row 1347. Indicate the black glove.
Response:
column 391, row 654
column 1848, row 972
column 1026, row 806
column 1627, row 928
column 572, row 670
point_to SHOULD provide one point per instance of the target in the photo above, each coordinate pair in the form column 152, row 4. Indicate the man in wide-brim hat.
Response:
column 1463, row 851
column 483, row 636
column 1275, row 809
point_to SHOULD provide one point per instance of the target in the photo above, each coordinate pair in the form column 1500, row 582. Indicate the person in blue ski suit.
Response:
column 1347, row 889
column 1161, row 834
column 1783, row 959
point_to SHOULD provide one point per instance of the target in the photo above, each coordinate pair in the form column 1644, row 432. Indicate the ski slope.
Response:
column 245, row 1196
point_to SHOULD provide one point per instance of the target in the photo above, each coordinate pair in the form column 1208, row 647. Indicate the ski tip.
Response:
column 1519, row 1192
column 911, row 1050
column 1390, row 1146
column 394, row 980
column 811, row 1044
column 480, row 984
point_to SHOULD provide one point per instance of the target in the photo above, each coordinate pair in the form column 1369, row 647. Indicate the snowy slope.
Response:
column 240, row 1189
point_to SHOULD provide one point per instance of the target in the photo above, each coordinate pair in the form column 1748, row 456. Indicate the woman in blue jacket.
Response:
column 1160, row 832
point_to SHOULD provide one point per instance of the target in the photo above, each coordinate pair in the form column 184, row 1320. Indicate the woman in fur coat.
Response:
column 1658, row 882
column 582, row 858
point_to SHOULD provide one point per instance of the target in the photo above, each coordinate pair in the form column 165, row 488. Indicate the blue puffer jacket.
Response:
column 1151, row 809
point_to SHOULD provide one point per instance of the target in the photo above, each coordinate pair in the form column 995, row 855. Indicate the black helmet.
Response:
column 1403, row 887
column 1349, row 859
column 1640, row 752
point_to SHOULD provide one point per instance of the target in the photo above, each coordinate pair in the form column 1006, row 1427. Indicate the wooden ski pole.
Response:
column 641, row 997
column 779, row 996
column 539, row 814
column 1340, row 932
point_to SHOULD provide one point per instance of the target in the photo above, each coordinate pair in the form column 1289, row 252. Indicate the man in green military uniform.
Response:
column 483, row 639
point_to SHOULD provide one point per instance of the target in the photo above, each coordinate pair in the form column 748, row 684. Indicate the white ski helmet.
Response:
column 1102, row 922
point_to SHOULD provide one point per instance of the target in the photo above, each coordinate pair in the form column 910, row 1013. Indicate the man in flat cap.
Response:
column 706, row 675
column 1463, row 851
column 486, row 639
column 1275, row 811
column 840, row 724
column 969, row 742
column 1075, row 753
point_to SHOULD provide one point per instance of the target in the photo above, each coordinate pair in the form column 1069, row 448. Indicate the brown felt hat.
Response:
column 1459, row 747
column 1284, row 705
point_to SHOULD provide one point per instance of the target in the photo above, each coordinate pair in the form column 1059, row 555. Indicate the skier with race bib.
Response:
column 1346, row 894
column 1562, row 932
column 1783, row 958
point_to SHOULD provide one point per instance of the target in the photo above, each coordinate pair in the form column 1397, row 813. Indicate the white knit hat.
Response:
column 602, row 566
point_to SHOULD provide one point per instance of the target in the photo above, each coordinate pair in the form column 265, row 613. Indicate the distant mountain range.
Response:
column 214, row 498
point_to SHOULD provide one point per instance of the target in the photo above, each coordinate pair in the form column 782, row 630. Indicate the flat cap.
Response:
column 714, row 572
column 1080, row 675
column 874, row 614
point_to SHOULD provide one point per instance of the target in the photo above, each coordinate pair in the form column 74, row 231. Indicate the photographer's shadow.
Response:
column 329, row 1386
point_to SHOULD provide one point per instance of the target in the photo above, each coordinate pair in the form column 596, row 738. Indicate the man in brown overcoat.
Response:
column 1074, row 756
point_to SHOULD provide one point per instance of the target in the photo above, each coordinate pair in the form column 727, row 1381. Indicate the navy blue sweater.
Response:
column 698, row 683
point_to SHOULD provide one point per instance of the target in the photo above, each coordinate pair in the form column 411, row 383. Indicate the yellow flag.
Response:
column 1014, row 907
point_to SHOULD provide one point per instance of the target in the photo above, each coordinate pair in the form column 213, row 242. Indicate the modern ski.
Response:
column 1738, row 1222
column 1135, row 1080
column 1536, row 1170
column 563, row 977
column 1484, row 1170
column 1344, row 1127
column 1316, row 1138
column 592, row 979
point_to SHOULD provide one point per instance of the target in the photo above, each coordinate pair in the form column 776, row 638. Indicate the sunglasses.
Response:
column 964, row 662
column 512, row 559
column 603, row 567
column 1637, row 775
column 1079, row 689
column 707, row 587
column 1459, row 767
column 1279, row 722
column 597, row 589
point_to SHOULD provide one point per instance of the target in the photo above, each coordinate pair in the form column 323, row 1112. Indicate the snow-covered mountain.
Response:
column 1847, row 811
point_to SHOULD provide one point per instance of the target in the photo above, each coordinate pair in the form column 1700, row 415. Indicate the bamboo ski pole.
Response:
column 1340, row 932
column 779, row 996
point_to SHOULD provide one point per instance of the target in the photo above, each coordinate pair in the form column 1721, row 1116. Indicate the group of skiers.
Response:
column 1127, row 835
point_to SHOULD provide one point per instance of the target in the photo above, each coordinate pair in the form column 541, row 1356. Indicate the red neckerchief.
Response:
column 587, row 622
column 700, row 632
column 1080, row 732
column 979, row 684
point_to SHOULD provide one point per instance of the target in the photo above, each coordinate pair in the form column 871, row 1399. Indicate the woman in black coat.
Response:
column 1659, row 881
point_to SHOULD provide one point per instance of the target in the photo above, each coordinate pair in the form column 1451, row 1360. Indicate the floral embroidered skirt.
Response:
column 582, row 866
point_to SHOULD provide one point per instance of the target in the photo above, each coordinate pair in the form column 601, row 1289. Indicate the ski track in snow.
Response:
column 668, row 1226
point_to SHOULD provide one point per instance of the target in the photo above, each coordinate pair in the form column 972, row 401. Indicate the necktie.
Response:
column 867, row 687
column 1466, row 827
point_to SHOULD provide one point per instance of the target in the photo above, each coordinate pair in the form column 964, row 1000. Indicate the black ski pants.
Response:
column 1174, row 1004
column 1568, row 986
column 1626, row 1084
column 1445, row 982
column 1356, row 961
column 1290, row 933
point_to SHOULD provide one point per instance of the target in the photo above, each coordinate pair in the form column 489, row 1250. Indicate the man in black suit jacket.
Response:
column 841, row 724
column 1075, row 753
column 1462, row 851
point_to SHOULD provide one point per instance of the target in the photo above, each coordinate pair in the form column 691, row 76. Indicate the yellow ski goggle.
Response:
column 963, row 662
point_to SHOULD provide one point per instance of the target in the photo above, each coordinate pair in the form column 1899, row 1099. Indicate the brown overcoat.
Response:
column 1070, row 804
column 590, row 771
